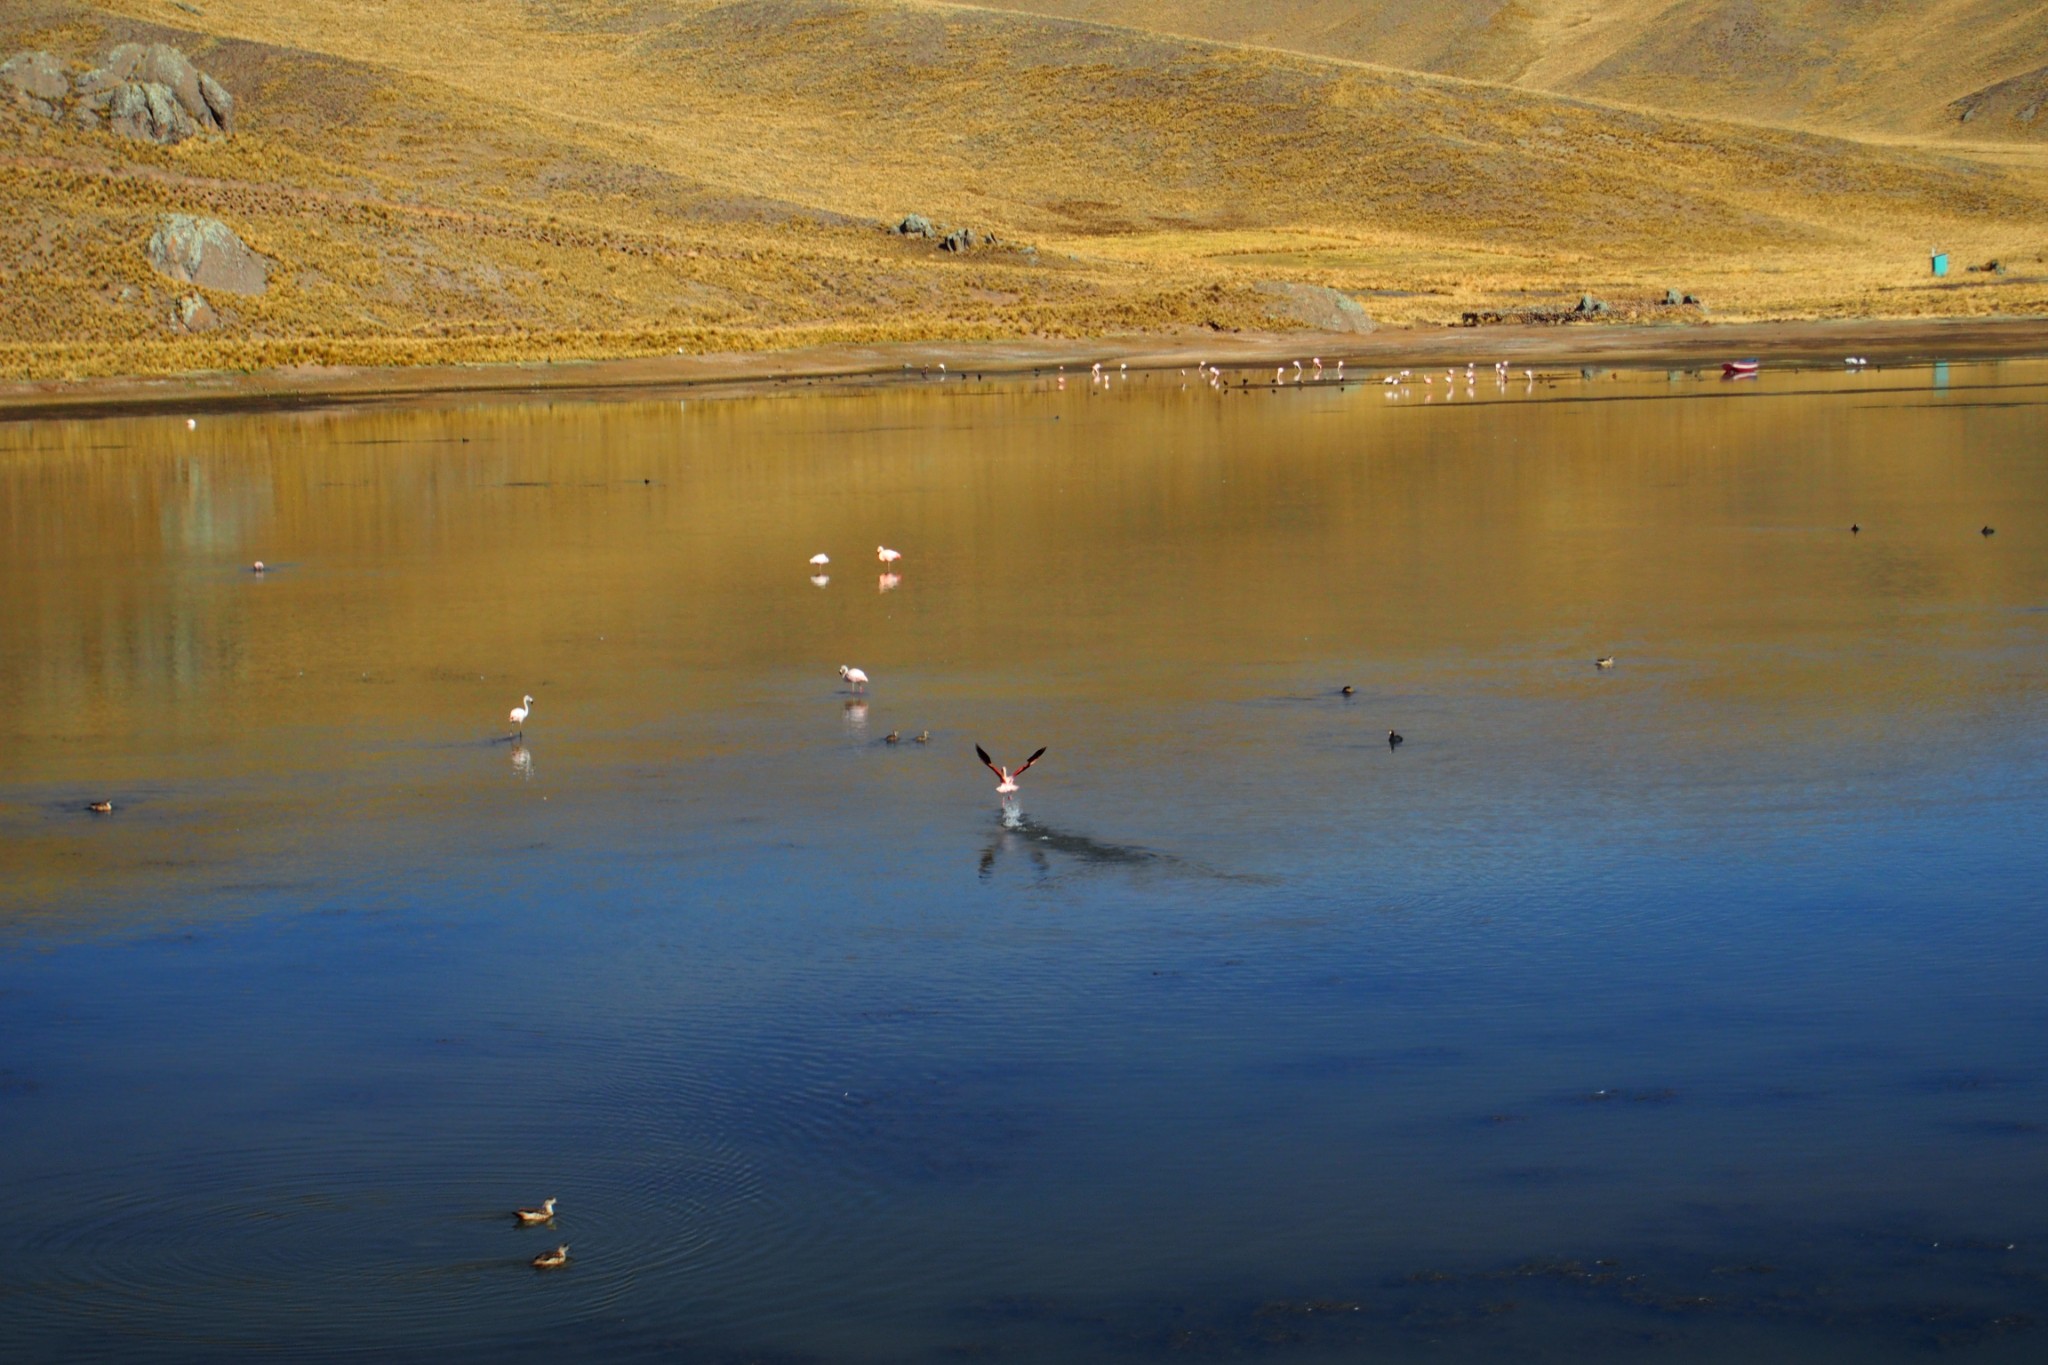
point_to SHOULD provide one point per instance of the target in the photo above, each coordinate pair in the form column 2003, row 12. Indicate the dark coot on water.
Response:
column 1394, row 738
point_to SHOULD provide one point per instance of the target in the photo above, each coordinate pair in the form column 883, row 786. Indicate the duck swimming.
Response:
column 1604, row 661
column 893, row 737
column 924, row 736
column 1346, row 690
column 544, row 1214
column 552, row 1260
column 101, row 808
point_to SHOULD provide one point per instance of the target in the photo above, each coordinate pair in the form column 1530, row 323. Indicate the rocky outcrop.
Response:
column 950, row 239
column 34, row 81
column 147, row 112
column 206, row 252
column 195, row 314
column 1651, row 308
column 154, row 93
column 1316, row 306
column 2010, row 108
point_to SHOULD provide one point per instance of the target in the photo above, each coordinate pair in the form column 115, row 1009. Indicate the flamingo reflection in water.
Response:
column 522, row 759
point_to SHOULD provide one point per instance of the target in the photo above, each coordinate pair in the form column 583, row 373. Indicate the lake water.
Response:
column 1694, row 1009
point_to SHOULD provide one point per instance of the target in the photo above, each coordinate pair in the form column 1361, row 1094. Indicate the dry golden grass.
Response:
column 521, row 180
column 1843, row 66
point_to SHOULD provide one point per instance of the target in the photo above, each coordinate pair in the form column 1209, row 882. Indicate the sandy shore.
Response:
column 1776, row 343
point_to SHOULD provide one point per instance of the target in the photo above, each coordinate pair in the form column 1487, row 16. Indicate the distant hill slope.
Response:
column 589, row 177
column 1841, row 65
column 868, row 107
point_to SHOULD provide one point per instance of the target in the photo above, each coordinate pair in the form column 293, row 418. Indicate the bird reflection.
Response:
column 522, row 759
column 1038, row 842
column 888, row 582
column 820, row 580
column 856, row 713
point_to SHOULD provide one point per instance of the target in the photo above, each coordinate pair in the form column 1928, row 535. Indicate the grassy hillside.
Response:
column 524, row 178
column 1837, row 65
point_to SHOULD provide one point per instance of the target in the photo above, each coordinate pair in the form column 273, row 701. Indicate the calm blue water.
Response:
column 1691, row 1010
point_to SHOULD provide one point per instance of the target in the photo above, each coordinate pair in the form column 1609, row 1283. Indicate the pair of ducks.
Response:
column 896, row 737
column 547, row 1260
column 1393, row 738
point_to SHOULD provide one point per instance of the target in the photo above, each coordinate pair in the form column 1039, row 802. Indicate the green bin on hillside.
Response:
column 1940, row 264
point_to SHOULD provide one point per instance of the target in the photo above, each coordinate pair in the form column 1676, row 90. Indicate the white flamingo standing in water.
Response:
column 1006, row 781
column 887, row 555
column 854, row 676
column 820, row 561
column 520, row 713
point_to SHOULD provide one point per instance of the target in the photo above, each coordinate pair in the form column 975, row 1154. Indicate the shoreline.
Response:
column 1792, row 344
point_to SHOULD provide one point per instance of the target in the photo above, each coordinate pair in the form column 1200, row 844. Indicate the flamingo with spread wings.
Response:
column 1006, row 781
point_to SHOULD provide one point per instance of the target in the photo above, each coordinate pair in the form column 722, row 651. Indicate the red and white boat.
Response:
column 1739, row 369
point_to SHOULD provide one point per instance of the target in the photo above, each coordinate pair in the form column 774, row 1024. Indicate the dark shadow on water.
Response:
column 1040, row 843
column 1049, row 851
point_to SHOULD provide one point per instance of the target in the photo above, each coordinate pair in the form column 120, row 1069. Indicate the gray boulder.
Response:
column 1671, row 298
column 195, row 314
column 1316, row 306
column 206, row 252
column 219, row 101
column 1590, row 306
column 149, row 112
column 116, row 69
column 916, row 225
column 34, row 81
column 136, row 87
column 961, row 239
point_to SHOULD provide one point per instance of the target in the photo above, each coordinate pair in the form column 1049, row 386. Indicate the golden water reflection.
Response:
column 643, row 567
